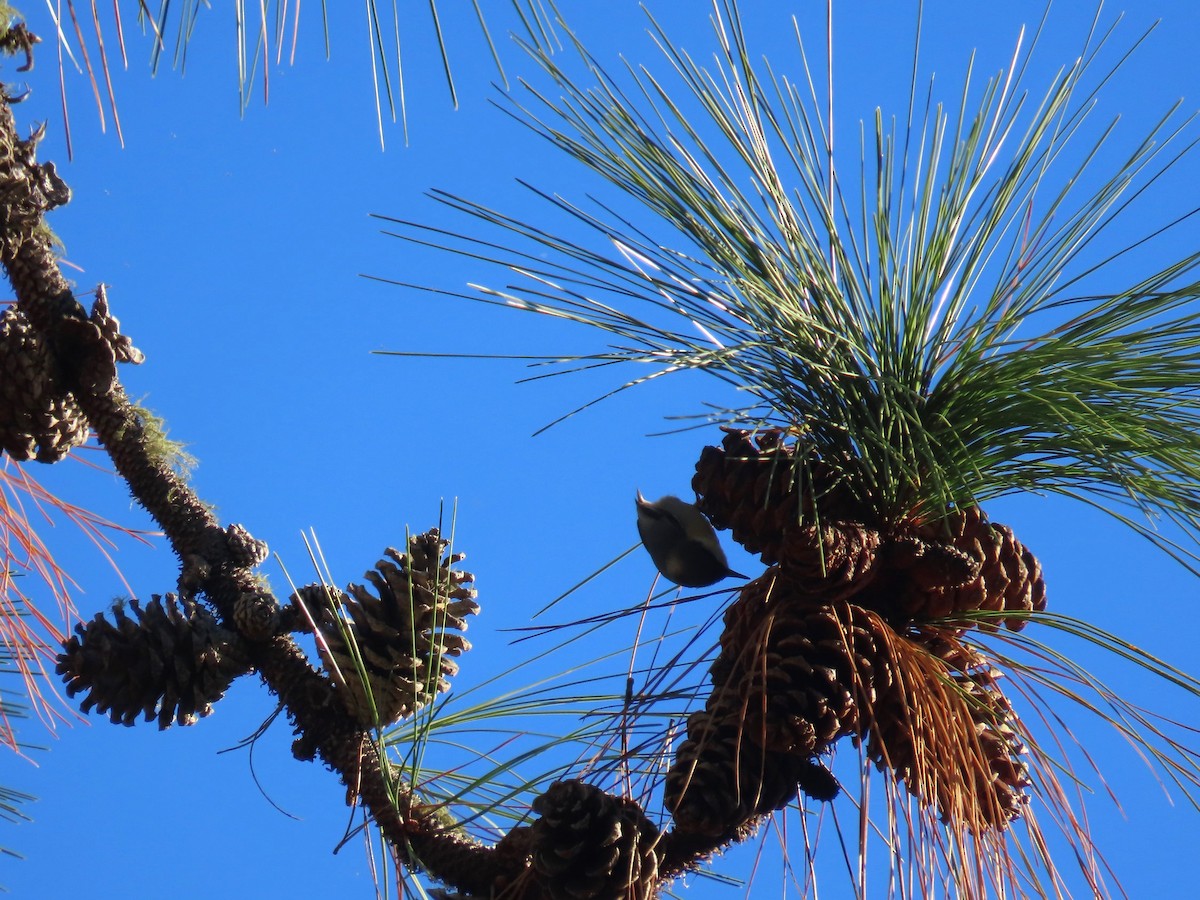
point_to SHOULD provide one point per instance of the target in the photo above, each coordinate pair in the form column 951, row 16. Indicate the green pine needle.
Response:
column 930, row 322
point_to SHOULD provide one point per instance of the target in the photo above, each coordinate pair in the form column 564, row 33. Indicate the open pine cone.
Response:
column 169, row 661
column 589, row 845
column 38, row 418
column 404, row 634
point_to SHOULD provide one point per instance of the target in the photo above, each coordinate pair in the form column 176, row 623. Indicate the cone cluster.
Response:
column 390, row 646
column 800, row 516
column 590, row 845
column 840, row 638
column 169, row 661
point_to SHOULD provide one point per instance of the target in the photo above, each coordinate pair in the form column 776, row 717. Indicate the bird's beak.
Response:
column 642, row 501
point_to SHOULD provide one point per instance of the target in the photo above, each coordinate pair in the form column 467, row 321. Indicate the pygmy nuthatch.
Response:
column 682, row 542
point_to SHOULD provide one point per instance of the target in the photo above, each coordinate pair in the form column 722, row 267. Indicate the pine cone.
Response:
column 742, row 623
column 954, row 739
column 806, row 678
column 791, row 681
column 401, row 633
column 722, row 781
column 792, row 510
column 810, row 652
column 257, row 616
column 960, row 564
column 589, row 845
column 833, row 562
column 796, row 512
column 27, row 191
column 774, row 598
column 1002, row 783
column 110, row 328
column 818, row 782
column 169, row 661
column 38, row 419
column 245, row 550
column 796, row 669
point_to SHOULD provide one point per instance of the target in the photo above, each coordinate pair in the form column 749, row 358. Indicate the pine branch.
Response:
column 215, row 561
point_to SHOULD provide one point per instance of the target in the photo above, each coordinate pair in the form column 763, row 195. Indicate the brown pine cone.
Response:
column 799, row 673
column 953, row 738
column 170, row 661
column 38, row 418
column 401, row 633
column 759, row 488
column 961, row 564
column 722, row 781
column 589, row 845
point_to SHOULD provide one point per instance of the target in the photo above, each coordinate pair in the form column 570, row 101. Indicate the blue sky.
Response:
column 234, row 249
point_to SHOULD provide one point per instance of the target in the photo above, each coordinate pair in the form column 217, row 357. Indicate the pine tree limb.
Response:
column 212, row 558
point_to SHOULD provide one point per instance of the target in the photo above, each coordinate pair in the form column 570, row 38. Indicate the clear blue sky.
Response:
column 233, row 248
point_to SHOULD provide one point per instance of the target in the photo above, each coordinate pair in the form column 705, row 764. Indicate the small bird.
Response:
column 682, row 542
